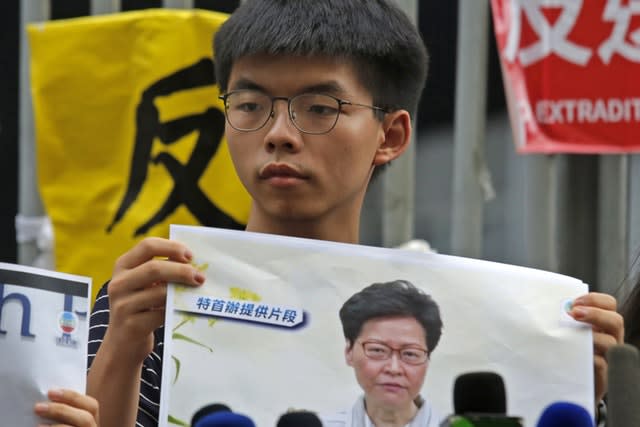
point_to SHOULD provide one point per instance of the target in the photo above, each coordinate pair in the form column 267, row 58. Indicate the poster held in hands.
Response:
column 263, row 336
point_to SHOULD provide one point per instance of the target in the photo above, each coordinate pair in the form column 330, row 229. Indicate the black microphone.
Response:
column 479, row 400
column 208, row 409
column 479, row 392
column 299, row 419
column 565, row 414
column 624, row 386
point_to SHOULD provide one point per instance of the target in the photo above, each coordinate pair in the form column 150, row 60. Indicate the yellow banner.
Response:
column 129, row 133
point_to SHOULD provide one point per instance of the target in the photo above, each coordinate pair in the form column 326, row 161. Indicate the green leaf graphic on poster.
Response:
column 176, row 361
column 175, row 421
column 177, row 336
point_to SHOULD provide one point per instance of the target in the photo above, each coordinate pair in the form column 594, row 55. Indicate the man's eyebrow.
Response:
column 331, row 87
column 247, row 84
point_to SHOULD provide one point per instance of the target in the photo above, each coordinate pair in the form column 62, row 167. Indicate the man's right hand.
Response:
column 137, row 295
column 138, row 291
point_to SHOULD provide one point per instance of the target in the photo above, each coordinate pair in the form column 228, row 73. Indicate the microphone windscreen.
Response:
column 225, row 419
column 479, row 392
column 299, row 419
column 565, row 414
column 208, row 409
column 623, row 396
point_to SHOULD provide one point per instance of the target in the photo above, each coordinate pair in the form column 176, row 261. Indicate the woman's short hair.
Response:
column 399, row 298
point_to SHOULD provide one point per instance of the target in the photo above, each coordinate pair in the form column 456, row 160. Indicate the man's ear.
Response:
column 348, row 353
column 396, row 128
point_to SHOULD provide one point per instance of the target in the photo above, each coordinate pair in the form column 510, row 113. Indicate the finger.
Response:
column 596, row 299
column 126, row 304
column 66, row 414
column 152, row 247
column 169, row 271
column 602, row 343
column 153, row 271
column 75, row 399
column 602, row 320
column 600, row 364
column 600, row 376
column 140, row 313
column 142, row 324
column 146, row 299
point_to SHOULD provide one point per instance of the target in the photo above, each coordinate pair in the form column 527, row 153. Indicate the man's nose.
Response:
column 282, row 133
column 280, row 110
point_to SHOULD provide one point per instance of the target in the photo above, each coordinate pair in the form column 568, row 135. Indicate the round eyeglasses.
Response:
column 377, row 350
column 312, row 113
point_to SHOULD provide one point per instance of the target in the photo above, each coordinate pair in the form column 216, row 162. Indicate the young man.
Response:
column 317, row 96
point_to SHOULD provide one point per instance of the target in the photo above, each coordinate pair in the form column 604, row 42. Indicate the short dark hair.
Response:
column 399, row 298
column 385, row 46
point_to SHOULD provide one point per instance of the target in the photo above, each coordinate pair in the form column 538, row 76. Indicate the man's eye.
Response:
column 248, row 107
column 322, row 110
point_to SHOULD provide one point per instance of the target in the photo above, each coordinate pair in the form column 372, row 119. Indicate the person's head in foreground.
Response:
column 317, row 94
column 390, row 330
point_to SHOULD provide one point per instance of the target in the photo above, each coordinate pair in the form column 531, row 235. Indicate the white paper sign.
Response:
column 261, row 362
column 43, row 338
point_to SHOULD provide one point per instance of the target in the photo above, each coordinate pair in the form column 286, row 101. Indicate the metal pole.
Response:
column 398, row 185
column 541, row 207
column 30, row 209
column 613, row 207
column 469, row 133
column 178, row 4
column 576, row 233
column 103, row 7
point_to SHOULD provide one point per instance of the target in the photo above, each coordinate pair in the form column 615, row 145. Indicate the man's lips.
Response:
column 280, row 170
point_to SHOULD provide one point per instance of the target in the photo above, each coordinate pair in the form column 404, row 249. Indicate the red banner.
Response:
column 572, row 73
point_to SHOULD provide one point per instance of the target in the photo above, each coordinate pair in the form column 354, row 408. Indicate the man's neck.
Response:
column 345, row 232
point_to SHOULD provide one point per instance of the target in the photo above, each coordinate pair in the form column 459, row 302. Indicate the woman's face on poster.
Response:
column 390, row 360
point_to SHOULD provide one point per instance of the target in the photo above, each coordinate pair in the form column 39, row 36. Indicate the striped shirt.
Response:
column 149, row 402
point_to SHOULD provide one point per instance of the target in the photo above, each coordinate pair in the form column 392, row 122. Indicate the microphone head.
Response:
column 299, row 419
column 479, row 393
column 224, row 419
column 623, row 392
column 208, row 409
column 565, row 414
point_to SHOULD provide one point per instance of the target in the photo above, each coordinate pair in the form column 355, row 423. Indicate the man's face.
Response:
column 392, row 383
column 293, row 176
